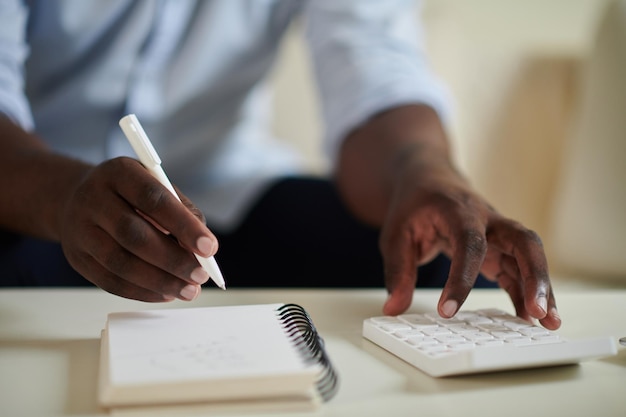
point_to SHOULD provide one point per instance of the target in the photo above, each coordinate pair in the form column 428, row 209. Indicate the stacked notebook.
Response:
column 256, row 355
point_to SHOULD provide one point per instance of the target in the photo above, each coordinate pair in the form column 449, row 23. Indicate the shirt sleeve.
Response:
column 13, row 53
column 368, row 56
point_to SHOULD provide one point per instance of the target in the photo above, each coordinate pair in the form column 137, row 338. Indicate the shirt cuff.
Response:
column 17, row 110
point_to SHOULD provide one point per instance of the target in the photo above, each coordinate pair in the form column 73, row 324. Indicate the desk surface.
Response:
column 49, row 349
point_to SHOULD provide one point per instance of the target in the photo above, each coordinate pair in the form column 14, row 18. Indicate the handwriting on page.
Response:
column 211, row 355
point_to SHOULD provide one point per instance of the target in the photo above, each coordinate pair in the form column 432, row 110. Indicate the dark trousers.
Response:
column 298, row 234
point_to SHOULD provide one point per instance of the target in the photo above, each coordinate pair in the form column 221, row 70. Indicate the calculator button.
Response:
column 519, row 341
column 490, row 327
column 434, row 348
column 424, row 326
column 534, row 331
column 450, row 338
column 404, row 333
column 422, row 341
column 491, row 342
column 415, row 319
column 463, row 328
column 478, row 336
column 392, row 327
column 506, row 334
column 436, row 331
column 384, row 319
column 547, row 338
column 516, row 324
column 462, row 346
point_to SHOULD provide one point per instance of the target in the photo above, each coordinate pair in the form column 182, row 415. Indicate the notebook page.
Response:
column 199, row 343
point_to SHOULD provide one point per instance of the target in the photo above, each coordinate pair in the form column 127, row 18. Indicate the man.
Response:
column 193, row 73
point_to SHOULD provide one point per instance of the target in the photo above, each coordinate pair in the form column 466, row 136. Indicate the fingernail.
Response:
column 189, row 292
column 449, row 308
column 199, row 275
column 555, row 313
column 542, row 302
column 205, row 245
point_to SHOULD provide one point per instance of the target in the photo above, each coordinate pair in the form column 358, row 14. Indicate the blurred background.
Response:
column 540, row 117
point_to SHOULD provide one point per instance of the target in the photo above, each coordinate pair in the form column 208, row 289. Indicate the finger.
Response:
column 502, row 269
column 469, row 250
column 153, row 199
column 509, row 279
column 400, row 264
column 190, row 206
column 526, row 248
column 127, row 267
column 492, row 265
column 153, row 223
column 89, row 268
column 139, row 237
column 552, row 320
column 508, row 264
column 513, row 286
column 210, row 246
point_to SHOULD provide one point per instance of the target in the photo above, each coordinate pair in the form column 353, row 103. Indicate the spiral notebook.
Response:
column 247, row 354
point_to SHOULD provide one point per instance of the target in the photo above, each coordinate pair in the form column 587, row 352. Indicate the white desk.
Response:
column 49, row 348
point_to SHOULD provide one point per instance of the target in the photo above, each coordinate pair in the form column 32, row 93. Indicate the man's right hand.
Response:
column 112, row 230
column 119, row 227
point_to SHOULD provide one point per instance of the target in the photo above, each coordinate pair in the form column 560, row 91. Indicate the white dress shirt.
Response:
column 194, row 72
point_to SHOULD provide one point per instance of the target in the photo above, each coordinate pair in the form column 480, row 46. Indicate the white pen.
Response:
column 150, row 159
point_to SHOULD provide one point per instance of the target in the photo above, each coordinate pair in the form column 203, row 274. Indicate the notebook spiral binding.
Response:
column 301, row 330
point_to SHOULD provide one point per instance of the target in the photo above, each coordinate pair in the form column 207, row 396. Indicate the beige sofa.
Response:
column 588, row 220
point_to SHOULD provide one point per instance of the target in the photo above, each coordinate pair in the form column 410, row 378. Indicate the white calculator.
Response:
column 478, row 341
